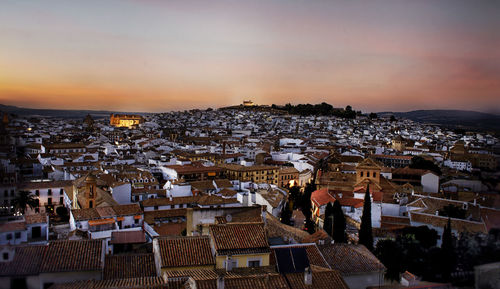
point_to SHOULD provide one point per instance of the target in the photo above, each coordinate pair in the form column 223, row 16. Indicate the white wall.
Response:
column 122, row 193
column 430, row 183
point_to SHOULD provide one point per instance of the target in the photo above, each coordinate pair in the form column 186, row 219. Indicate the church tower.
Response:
column 90, row 191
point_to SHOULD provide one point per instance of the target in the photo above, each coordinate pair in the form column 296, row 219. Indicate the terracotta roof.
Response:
column 127, row 210
column 129, row 266
column 85, row 214
column 12, row 226
column 128, row 237
column 80, row 255
column 322, row 197
column 45, row 185
column 129, row 283
column 26, row 261
column 440, row 221
column 239, row 236
column 185, row 251
column 320, row 280
column 223, row 183
column 170, row 228
column 313, row 254
column 36, row 218
column 151, row 216
column 203, row 185
column 350, row 259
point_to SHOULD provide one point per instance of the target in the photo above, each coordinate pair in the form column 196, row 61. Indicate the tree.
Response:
column 310, row 226
column 418, row 162
column 393, row 118
column 328, row 225
column 373, row 115
column 365, row 231
column 25, row 199
column 390, row 254
column 294, row 196
column 452, row 211
column 448, row 252
column 339, row 223
column 286, row 214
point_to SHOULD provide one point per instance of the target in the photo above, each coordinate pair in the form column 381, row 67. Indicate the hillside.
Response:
column 464, row 119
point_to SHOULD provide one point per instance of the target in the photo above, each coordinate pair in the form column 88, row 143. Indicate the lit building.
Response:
column 125, row 120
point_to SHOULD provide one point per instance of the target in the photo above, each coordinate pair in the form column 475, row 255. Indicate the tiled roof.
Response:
column 36, row 218
column 238, row 236
column 128, row 237
column 129, row 266
column 350, row 259
column 170, row 228
column 85, row 214
column 313, row 254
column 322, row 197
column 320, row 280
column 223, row 183
column 129, row 283
column 80, row 255
column 27, row 261
column 12, row 226
column 127, row 210
column 151, row 216
column 185, row 251
column 440, row 221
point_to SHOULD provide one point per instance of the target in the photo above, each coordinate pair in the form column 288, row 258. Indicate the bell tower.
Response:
column 90, row 191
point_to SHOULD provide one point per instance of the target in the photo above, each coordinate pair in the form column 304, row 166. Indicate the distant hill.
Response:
column 468, row 120
column 59, row 113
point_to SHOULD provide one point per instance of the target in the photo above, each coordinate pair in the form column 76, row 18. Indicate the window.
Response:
column 374, row 175
column 49, row 192
column 5, row 256
column 367, row 174
column 37, row 192
column 61, row 200
column 9, row 236
column 61, row 191
column 254, row 263
column 136, row 221
column 18, row 235
column 6, row 193
column 361, row 174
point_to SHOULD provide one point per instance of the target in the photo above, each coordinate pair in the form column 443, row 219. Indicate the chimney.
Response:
column 308, row 280
column 437, row 213
column 170, row 197
column 220, row 282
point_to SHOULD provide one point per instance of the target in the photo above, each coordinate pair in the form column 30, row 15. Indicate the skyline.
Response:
column 153, row 56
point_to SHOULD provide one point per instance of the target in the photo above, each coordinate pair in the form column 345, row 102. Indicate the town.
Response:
column 247, row 196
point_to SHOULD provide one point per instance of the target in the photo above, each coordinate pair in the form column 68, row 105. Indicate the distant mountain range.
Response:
column 60, row 113
column 467, row 120
column 464, row 119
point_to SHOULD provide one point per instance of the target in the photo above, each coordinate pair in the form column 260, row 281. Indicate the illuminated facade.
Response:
column 125, row 120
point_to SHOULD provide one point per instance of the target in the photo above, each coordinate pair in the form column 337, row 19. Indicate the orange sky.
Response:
column 170, row 55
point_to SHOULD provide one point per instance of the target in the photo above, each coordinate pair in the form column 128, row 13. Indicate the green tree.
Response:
column 452, row 211
column 365, row 231
column 286, row 214
column 339, row 223
column 418, row 162
column 390, row 254
column 25, row 199
column 328, row 224
column 448, row 252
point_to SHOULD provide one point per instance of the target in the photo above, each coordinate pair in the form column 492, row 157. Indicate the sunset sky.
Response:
column 155, row 55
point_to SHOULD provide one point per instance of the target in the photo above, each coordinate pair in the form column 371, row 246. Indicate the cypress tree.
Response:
column 339, row 223
column 328, row 224
column 448, row 252
column 365, row 231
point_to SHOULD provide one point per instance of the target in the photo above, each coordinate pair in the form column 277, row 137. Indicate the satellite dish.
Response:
column 229, row 218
